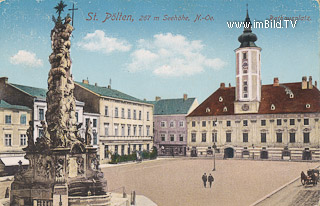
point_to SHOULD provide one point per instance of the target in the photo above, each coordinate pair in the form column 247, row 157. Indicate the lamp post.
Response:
column 253, row 151
column 214, row 156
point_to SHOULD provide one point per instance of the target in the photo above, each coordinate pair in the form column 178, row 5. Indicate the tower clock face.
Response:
column 245, row 107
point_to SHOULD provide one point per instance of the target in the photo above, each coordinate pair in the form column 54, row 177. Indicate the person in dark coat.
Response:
column 210, row 179
column 204, row 179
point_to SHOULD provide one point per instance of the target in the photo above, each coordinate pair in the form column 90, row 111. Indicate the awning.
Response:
column 12, row 161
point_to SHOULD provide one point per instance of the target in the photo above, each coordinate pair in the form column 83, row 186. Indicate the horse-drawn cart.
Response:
column 312, row 177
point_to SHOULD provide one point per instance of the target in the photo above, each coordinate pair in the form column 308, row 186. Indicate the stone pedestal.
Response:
column 60, row 195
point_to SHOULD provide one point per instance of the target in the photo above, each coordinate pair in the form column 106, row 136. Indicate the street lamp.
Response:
column 214, row 156
column 252, row 151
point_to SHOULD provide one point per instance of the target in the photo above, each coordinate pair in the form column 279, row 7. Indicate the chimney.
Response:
column 158, row 98
column 310, row 83
column 4, row 80
column 96, row 84
column 315, row 84
column 229, row 85
column 304, row 83
column 222, row 85
column 85, row 81
column 276, row 82
column 185, row 97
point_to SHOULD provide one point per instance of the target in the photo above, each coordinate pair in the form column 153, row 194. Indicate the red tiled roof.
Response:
column 279, row 96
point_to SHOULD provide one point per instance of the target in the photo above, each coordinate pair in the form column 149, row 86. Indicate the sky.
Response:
column 145, row 56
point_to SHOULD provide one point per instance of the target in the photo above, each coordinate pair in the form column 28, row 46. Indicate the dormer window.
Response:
column 308, row 106
column 225, row 109
column 220, row 99
column 207, row 110
column 273, row 107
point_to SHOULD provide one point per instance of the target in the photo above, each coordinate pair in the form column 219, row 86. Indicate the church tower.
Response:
column 248, row 75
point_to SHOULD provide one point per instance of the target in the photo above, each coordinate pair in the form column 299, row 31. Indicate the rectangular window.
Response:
column 140, row 147
column 214, row 136
column 87, row 121
column 292, row 122
column 171, row 137
column 163, row 137
column 134, row 130
column 228, row 123
column 116, row 130
column 193, row 123
column 94, row 124
column 263, row 137
column 116, row 149
column 306, row 137
column 106, row 111
column 204, row 123
column 106, row 129
column 279, row 137
column 171, row 124
column 181, row 124
column 106, row 151
column 134, row 114
column 116, row 114
column 148, row 118
column 163, row 124
column 41, row 114
column 139, row 115
column 306, row 121
column 122, row 149
column 245, row 137
column 129, row 114
column 8, row 119
column 244, row 55
column 95, row 137
column 279, row 122
column 23, row 139
column 23, row 119
column 122, row 113
column 228, row 137
column 77, row 117
column 193, row 137
column 292, row 137
column 214, row 123
column 148, row 147
column 263, row 122
column 7, row 140
column 181, row 137
column 245, row 123
column 129, row 129
column 148, row 130
column 122, row 130
column 140, row 130
column 204, row 137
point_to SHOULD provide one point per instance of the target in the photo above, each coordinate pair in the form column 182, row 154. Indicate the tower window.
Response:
column 244, row 55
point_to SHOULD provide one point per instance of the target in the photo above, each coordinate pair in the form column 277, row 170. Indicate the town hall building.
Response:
column 250, row 120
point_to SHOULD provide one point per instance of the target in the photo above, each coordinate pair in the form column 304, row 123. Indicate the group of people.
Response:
column 206, row 179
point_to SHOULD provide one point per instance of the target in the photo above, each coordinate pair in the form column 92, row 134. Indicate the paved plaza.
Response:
column 178, row 181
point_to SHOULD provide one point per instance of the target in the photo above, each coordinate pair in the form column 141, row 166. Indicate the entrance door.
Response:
column 193, row 152
column 264, row 155
column 228, row 152
column 306, row 155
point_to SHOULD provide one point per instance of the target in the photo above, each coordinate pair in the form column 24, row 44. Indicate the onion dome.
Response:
column 247, row 38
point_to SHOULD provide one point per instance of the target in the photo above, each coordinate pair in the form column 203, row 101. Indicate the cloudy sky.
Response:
column 147, row 57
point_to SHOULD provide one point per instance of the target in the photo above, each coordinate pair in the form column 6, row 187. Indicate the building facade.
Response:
column 33, row 98
column 250, row 120
column 125, row 122
column 14, row 122
column 170, row 125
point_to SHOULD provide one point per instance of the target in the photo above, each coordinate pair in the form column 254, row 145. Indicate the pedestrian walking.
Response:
column 210, row 179
column 204, row 179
